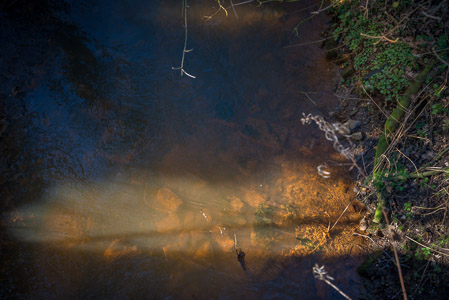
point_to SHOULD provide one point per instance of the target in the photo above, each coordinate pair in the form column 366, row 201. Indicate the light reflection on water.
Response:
column 154, row 177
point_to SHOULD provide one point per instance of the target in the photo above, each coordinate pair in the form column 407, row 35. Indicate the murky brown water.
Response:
column 151, row 178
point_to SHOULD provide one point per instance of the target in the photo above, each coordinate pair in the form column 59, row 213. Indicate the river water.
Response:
column 150, row 181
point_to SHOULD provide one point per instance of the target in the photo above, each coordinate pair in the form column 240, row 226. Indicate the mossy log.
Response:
column 391, row 124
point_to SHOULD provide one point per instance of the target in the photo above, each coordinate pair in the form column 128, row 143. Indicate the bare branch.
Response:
column 439, row 57
column 184, row 50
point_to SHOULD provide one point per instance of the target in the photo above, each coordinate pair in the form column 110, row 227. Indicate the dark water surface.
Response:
column 142, row 180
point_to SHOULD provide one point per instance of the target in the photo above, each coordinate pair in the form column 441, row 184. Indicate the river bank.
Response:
column 393, row 57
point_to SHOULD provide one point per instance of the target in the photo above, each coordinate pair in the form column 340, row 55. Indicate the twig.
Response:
column 417, row 172
column 430, row 16
column 372, row 100
column 439, row 57
column 436, row 158
column 233, row 9
column 381, row 37
column 222, row 7
column 244, row 2
column 422, row 276
column 422, row 245
column 308, row 43
column 321, row 274
column 184, row 51
column 374, row 242
column 308, row 97
column 347, row 206
column 396, row 257
column 323, row 9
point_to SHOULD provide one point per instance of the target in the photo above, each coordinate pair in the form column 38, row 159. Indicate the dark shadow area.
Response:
column 424, row 278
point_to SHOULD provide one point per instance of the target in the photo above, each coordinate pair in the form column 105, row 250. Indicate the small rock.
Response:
column 357, row 136
column 347, row 72
column 224, row 242
column 167, row 200
column 352, row 124
column 253, row 199
column 363, row 225
column 236, row 204
column 118, row 249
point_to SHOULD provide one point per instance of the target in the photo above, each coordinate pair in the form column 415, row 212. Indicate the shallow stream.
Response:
column 152, row 180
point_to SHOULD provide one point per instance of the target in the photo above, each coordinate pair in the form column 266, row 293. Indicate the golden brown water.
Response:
column 151, row 185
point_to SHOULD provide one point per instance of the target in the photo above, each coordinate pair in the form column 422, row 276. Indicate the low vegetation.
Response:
column 395, row 59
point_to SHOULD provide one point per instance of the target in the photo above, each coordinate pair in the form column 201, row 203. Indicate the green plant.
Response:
column 408, row 210
column 438, row 92
column 423, row 183
column 421, row 129
column 444, row 240
column 438, row 108
column 422, row 253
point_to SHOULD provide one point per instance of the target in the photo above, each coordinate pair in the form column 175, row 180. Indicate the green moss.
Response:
column 380, row 64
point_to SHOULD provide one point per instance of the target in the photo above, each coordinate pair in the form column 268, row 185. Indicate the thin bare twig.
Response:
column 321, row 274
column 347, row 206
column 380, row 38
column 244, row 2
column 184, row 50
column 323, row 9
column 430, row 16
column 308, row 43
column 396, row 257
column 308, row 97
column 439, row 57
column 417, row 172
column 233, row 9
column 422, row 245
column 372, row 100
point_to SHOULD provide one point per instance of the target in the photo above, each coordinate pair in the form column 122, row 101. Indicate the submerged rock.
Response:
column 236, row 204
column 254, row 199
column 357, row 136
column 204, row 251
column 171, row 222
column 167, row 200
column 118, row 249
column 224, row 242
column 349, row 127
